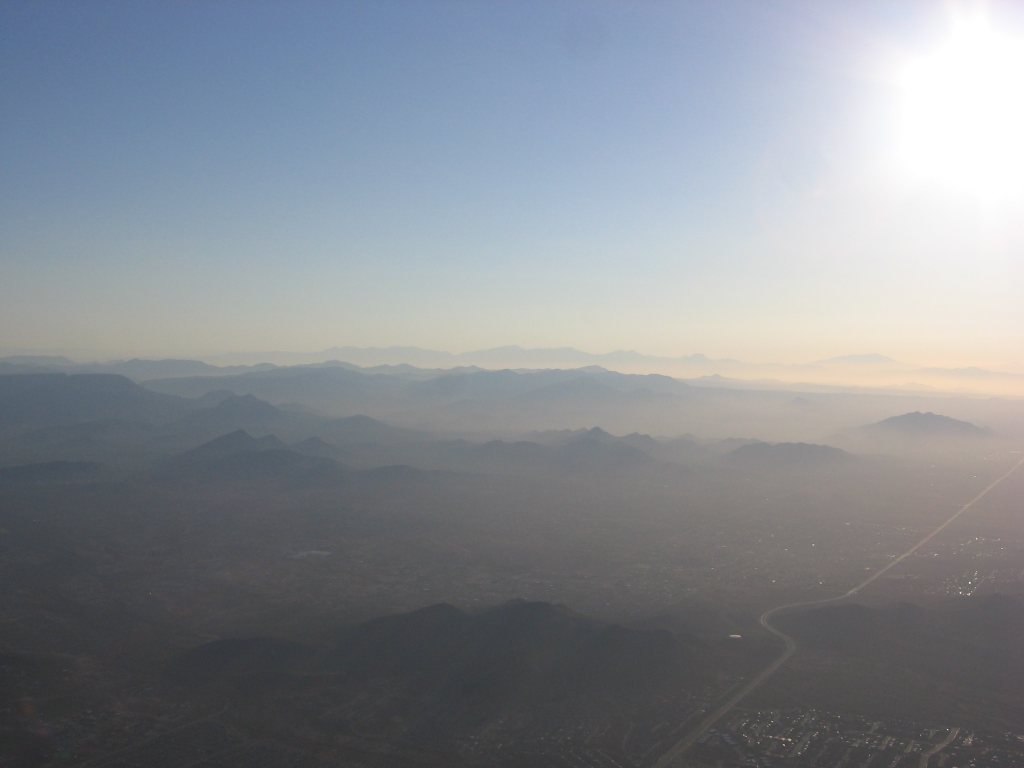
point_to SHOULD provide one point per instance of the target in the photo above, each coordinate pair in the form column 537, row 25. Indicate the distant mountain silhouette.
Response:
column 238, row 457
column 399, row 362
column 237, row 412
column 582, row 389
column 314, row 446
column 364, row 430
column 245, row 407
column 786, row 456
column 510, row 356
column 37, row 400
column 214, row 397
column 692, row 367
column 644, row 443
column 917, row 424
column 594, row 435
column 508, row 401
column 346, row 389
column 234, row 442
column 318, row 387
column 272, row 466
column 598, row 451
column 591, row 450
column 140, row 370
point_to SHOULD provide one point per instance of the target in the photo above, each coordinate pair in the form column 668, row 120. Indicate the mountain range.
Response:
column 326, row 554
column 475, row 419
column 858, row 372
column 229, row 440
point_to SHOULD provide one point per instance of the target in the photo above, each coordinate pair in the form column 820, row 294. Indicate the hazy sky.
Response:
column 670, row 177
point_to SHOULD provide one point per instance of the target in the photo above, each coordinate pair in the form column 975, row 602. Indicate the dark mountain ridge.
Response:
column 502, row 402
column 238, row 441
column 39, row 400
column 519, row 651
column 268, row 463
column 512, row 655
column 592, row 451
column 777, row 456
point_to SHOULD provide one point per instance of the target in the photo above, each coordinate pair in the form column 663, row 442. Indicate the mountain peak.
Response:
column 232, row 443
column 918, row 424
column 776, row 455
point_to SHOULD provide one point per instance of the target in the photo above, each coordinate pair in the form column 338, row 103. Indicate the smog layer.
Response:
column 393, row 565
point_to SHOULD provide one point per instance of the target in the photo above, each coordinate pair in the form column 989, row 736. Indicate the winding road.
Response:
column 680, row 747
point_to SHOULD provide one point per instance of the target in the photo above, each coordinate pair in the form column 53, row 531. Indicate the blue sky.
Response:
column 198, row 177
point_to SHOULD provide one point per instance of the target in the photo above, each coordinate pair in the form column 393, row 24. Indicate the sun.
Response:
column 963, row 111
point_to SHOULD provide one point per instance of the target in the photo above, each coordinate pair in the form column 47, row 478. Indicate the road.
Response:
column 926, row 756
column 680, row 747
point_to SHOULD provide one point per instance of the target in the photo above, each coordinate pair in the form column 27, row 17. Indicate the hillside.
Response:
column 447, row 674
column 39, row 400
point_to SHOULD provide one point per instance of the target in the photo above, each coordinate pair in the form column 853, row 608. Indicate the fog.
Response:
column 392, row 384
column 493, row 566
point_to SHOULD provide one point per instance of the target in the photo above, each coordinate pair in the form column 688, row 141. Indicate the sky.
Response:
column 191, row 178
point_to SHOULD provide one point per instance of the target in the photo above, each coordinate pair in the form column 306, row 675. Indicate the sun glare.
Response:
column 964, row 111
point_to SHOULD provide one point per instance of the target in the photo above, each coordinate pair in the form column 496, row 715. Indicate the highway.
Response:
column 927, row 755
column 678, row 749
